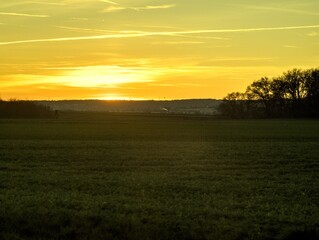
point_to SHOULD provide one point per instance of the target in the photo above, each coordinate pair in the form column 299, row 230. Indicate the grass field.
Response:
column 125, row 176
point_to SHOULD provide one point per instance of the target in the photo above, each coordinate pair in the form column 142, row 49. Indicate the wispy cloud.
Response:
column 313, row 34
column 176, row 85
column 100, row 76
column 154, row 7
column 169, row 33
column 81, row 19
column 176, row 42
column 154, row 26
column 114, row 9
column 281, row 9
column 94, row 30
column 110, row 2
column 99, row 30
column 162, row 84
column 84, row 29
column 115, row 96
column 290, row 46
column 23, row 14
column 120, row 8
column 46, row 3
column 14, row 4
column 202, row 37
column 231, row 59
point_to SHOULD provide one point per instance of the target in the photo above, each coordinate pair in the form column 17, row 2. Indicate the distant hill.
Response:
column 190, row 106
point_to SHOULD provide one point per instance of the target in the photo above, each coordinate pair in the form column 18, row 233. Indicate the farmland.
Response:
column 130, row 176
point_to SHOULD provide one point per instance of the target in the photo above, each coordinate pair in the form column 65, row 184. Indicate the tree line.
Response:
column 24, row 109
column 294, row 94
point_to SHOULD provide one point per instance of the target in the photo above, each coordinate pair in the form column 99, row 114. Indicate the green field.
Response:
column 126, row 176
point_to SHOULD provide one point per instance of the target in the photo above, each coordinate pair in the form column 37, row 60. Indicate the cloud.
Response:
column 99, row 76
column 147, row 34
column 114, row 9
column 290, row 46
column 241, row 59
column 313, row 34
column 176, row 42
column 176, row 85
column 23, row 14
column 46, row 3
column 96, row 30
column 163, row 84
column 120, row 8
column 115, row 96
column 31, row 2
column 276, row 9
column 80, row 19
column 154, row 7
column 153, row 26
column 203, row 37
column 110, row 2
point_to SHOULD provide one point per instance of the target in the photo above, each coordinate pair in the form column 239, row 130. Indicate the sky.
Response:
column 150, row 49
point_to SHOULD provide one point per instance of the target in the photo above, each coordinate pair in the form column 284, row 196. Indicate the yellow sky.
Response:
column 150, row 49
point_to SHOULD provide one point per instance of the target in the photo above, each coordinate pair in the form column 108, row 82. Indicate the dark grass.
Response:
column 126, row 176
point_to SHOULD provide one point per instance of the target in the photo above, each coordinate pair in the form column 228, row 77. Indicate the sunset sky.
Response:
column 143, row 49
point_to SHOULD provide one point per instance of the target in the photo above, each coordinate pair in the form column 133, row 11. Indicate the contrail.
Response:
column 145, row 34
column 23, row 14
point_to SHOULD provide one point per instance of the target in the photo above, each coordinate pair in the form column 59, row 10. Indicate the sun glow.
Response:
column 116, row 97
column 102, row 76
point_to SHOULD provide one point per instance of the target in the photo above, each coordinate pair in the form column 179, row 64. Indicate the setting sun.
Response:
column 101, row 76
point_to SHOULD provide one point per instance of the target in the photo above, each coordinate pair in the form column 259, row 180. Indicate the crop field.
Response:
column 126, row 176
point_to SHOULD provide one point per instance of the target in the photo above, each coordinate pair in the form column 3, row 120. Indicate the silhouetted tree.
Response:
column 261, row 91
column 294, row 94
column 233, row 105
column 24, row 109
column 312, row 88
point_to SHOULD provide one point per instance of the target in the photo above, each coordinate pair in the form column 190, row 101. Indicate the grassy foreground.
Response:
column 117, row 176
